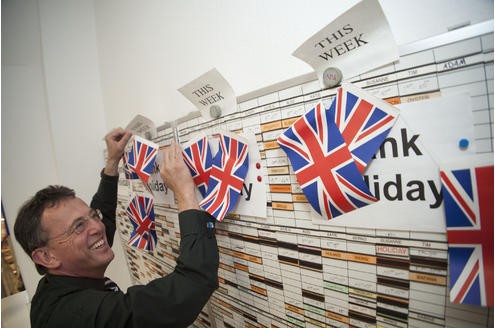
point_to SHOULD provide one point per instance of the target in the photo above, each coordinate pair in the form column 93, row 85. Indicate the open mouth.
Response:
column 98, row 244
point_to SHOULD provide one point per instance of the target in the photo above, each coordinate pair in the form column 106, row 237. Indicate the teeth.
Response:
column 98, row 244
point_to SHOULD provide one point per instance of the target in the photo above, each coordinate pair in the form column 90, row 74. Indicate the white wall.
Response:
column 150, row 49
column 53, row 120
column 71, row 70
column 28, row 158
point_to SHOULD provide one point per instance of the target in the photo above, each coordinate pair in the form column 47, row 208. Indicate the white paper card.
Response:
column 357, row 41
column 208, row 90
column 406, row 180
column 442, row 123
column 405, row 173
column 252, row 201
column 161, row 193
column 472, row 161
column 142, row 126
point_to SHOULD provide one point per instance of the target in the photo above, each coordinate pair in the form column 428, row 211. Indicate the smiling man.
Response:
column 69, row 251
column 70, row 244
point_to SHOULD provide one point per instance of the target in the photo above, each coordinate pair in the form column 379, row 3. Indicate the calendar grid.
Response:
column 283, row 270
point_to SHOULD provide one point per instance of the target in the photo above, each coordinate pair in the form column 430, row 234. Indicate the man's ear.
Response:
column 44, row 257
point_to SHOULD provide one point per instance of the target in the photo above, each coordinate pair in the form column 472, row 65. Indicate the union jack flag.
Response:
column 323, row 165
column 142, row 216
column 198, row 158
column 363, row 120
column 129, row 174
column 141, row 157
column 468, row 196
column 227, row 174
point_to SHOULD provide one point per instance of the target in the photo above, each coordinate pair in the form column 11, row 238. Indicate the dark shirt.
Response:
column 171, row 301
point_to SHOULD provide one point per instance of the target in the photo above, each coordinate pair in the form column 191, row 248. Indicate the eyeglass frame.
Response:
column 80, row 224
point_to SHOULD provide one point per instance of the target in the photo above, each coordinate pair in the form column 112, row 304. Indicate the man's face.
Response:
column 76, row 240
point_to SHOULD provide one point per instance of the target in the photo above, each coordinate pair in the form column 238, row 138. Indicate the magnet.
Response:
column 215, row 111
column 332, row 77
column 463, row 143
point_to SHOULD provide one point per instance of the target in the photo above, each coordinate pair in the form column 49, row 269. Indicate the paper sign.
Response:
column 208, row 90
column 252, row 201
column 405, row 180
column 357, row 41
column 444, row 123
column 142, row 126
column 160, row 191
column 404, row 174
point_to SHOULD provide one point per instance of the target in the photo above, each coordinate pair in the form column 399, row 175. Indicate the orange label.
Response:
column 258, row 290
column 270, row 145
column 283, row 206
column 393, row 100
column 241, row 267
column 270, row 126
column 362, row 258
column 278, row 170
column 280, row 188
column 294, row 309
column 289, row 121
column 334, row 254
column 428, row 278
column 299, row 198
column 337, row 317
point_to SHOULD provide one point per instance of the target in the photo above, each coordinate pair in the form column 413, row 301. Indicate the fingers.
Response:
column 173, row 162
column 116, row 140
column 119, row 136
column 168, row 154
column 173, row 152
column 177, row 151
column 176, row 175
column 124, row 138
column 114, row 134
column 170, row 163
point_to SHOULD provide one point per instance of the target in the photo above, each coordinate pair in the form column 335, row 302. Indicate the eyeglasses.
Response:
column 80, row 224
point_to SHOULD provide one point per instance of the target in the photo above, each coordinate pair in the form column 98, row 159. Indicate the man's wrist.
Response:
column 112, row 167
column 186, row 201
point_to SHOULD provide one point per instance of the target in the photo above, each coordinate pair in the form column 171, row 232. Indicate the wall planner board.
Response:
column 288, row 269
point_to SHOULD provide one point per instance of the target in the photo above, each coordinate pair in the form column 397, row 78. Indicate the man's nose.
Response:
column 95, row 226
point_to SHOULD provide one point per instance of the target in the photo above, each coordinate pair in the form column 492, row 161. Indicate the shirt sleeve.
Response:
column 174, row 300
column 105, row 199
